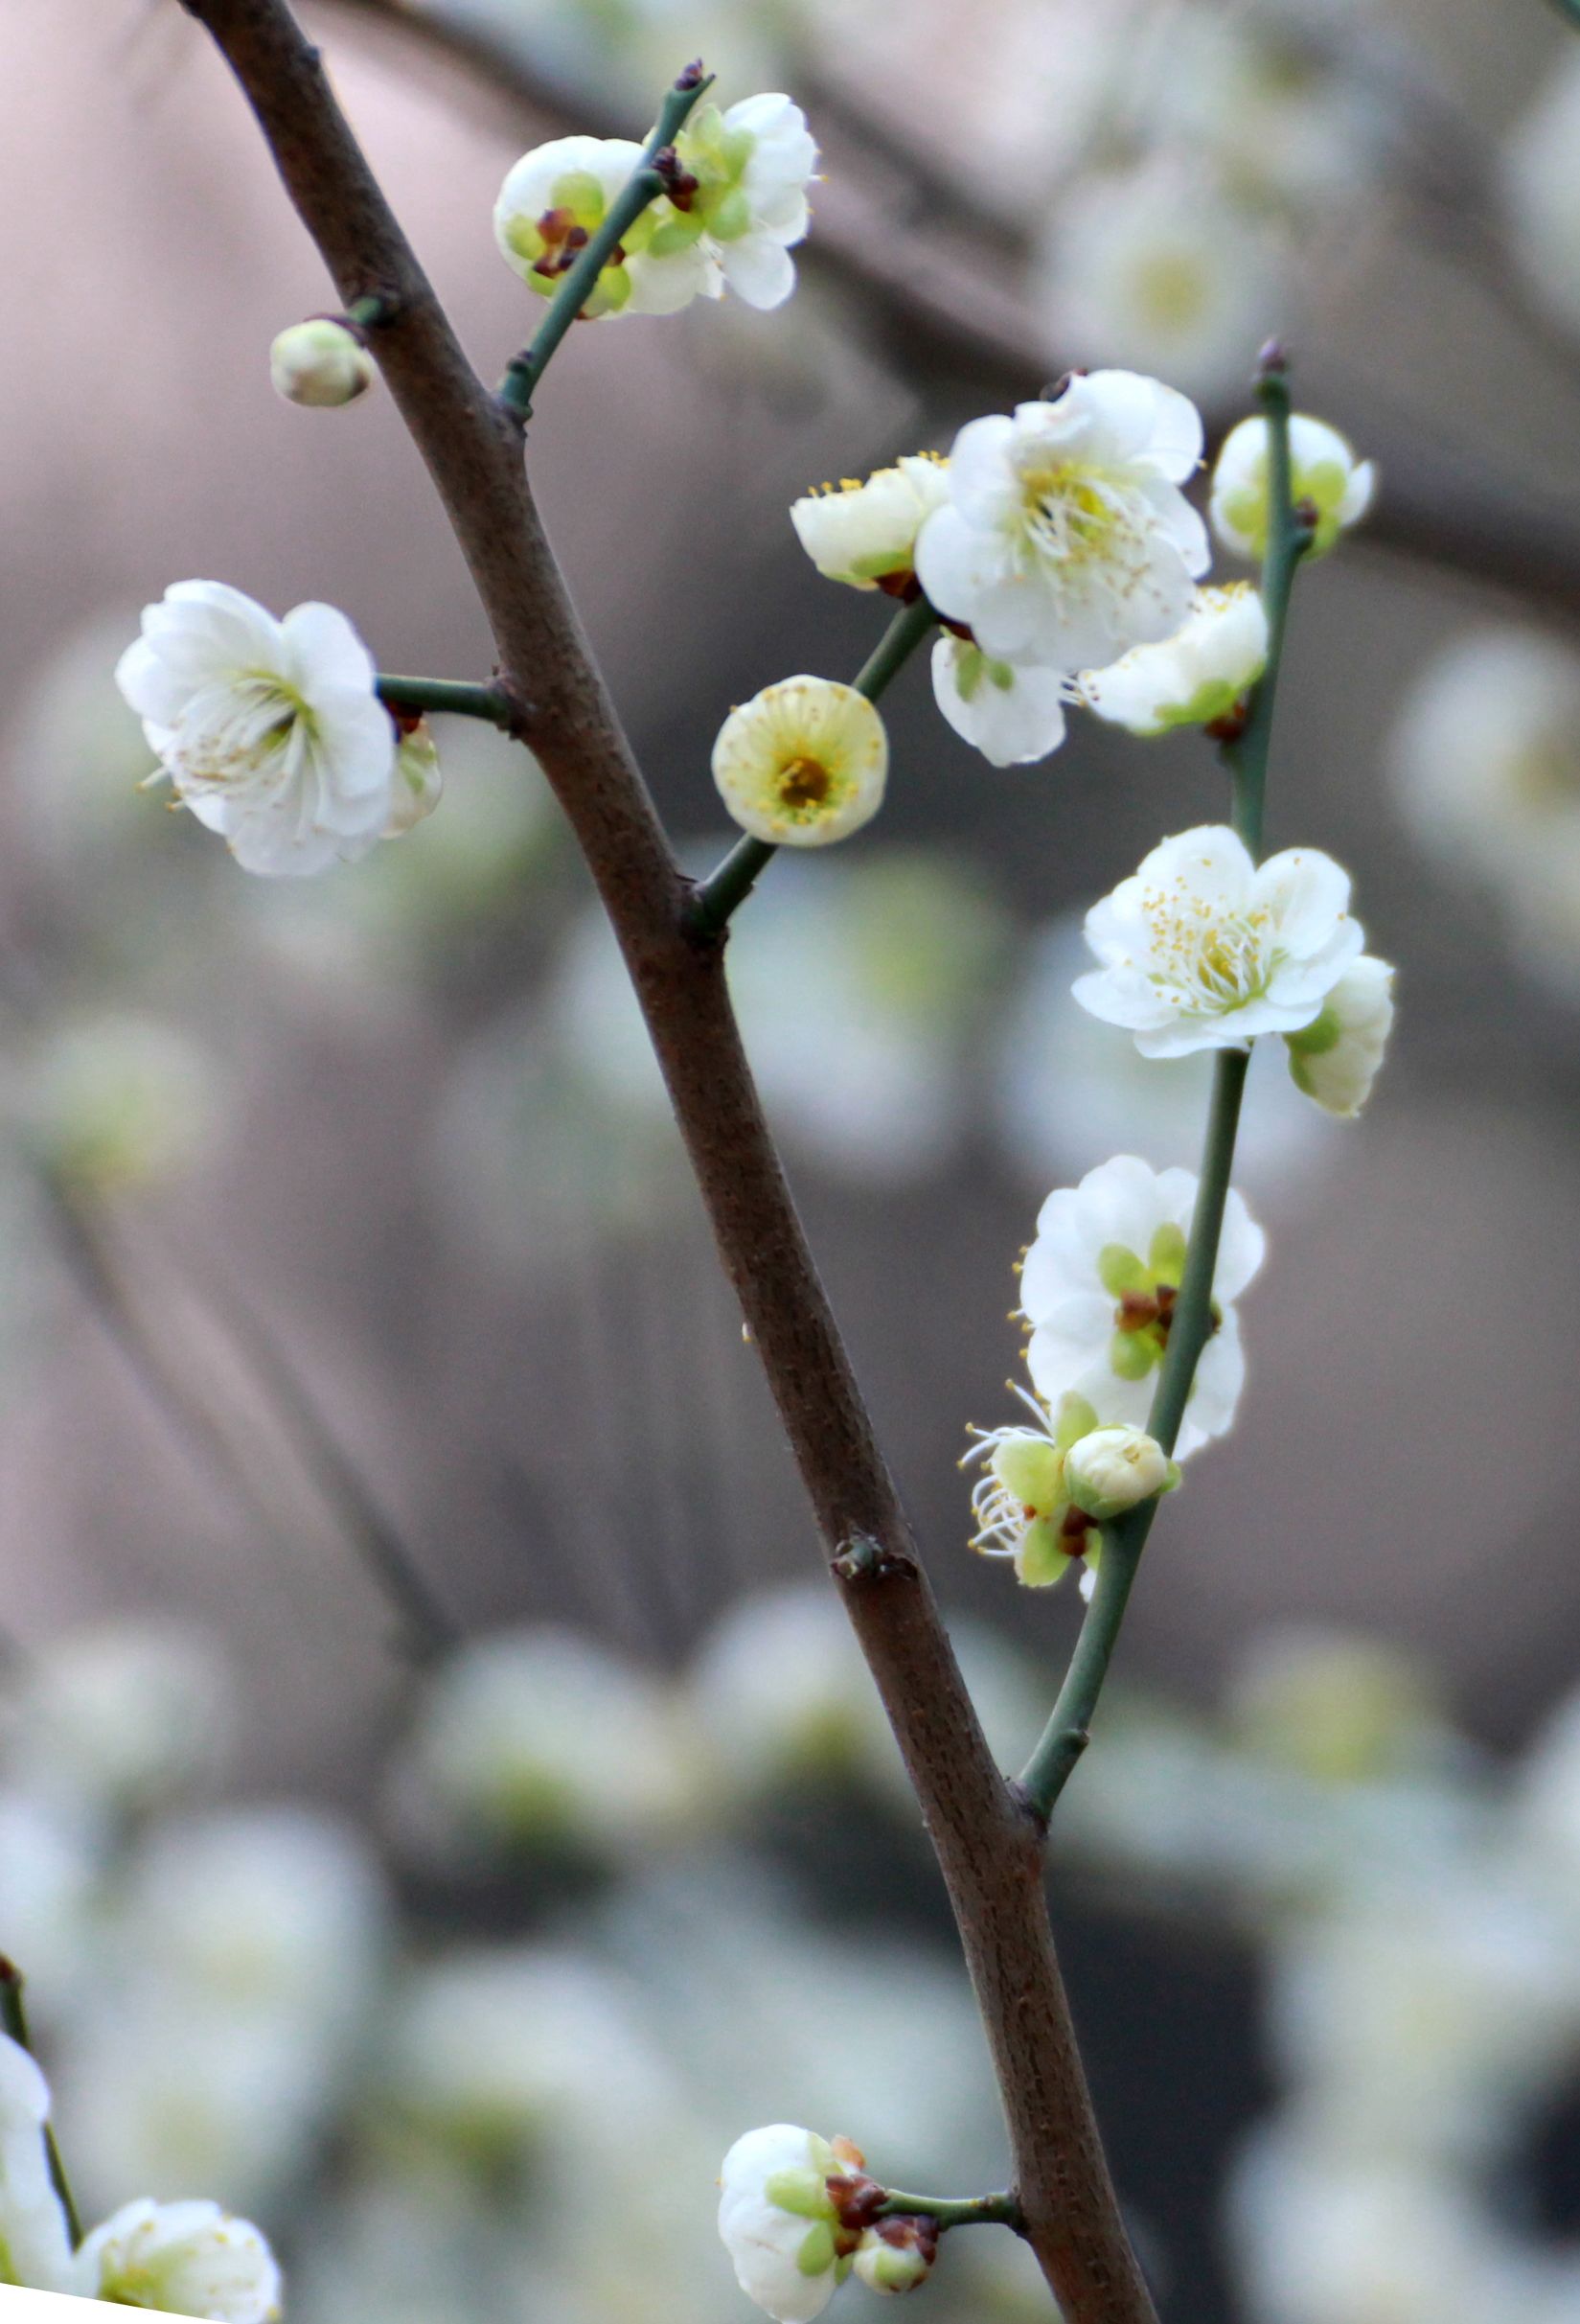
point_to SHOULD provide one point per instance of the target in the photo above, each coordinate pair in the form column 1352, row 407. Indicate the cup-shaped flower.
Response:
column 1098, row 1288
column 191, row 2259
column 1021, row 1501
column 320, row 363
column 802, row 763
column 1335, row 1058
column 418, row 780
column 1200, row 675
column 1109, row 1469
column 779, row 2222
column 752, row 164
column 864, row 535
column 1201, row 948
column 1013, row 712
column 554, row 200
column 1065, row 540
column 897, row 2254
column 34, row 2245
column 1323, row 470
column 270, row 731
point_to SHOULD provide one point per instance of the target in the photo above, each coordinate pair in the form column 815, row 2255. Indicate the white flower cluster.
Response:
column 735, row 209
column 797, row 2214
column 188, row 2259
column 1064, row 563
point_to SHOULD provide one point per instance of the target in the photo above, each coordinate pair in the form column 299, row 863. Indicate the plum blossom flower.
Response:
column 1335, row 1058
column 1098, row 1288
column 1192, row 678
column 1065, row 538
column 1201, row 948
column 753, row 166
column 1110, row 1469
column 270, row 731
column 320, row 363
column 864, row 535
column 1013, row 712
column 190, row 2259
column 802, row 763
column 1021, row 1502
column 554, row 200
column 34, row 2245
column 779, row 2222
column 1323, row 469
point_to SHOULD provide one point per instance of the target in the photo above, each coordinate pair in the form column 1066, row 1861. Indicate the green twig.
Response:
column 453, row 694
column 645, row 185
column 966, row 2211
column 1067, row 1731
column 13, row 2020
column 732, row 880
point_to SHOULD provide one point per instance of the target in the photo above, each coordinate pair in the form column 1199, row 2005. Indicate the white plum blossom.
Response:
column 752, row 164
column 802, row 764
column 320, row 363
column 555, row 198
column 864, row 534
column 1202, row 948
column 1098, row 1288
column 1065, row 538
column 34, row 2245
column 1013, row 712
column 122, row 1718
column 1150, row 268
column 737, row 206
column 1323, row 469
column 190, row 2259
column 778, row 2222
column 1335, row 1058
column 270, row 731
column 1193, row 679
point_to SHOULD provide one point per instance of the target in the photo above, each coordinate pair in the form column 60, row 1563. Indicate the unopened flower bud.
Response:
column 418, row 780
column 320, row 363
column 897, row 2255
column 1113, row 1469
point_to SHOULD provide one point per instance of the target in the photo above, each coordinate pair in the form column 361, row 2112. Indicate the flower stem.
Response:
column 454, row 695
column 13, row 2020
column 966, row 2211
column 1069, row 1729
column 728, row 884
column 644, row 185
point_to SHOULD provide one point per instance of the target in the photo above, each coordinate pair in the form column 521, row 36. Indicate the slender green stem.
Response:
column 1069, row 1729
column 645, row 185
column 13, row 2020
column 732, row 880
column 368, row 313
column 966, row 2211
column 454, row 695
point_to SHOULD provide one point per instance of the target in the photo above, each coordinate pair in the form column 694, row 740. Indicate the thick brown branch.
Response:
column 931, row 307
column 988, row 1847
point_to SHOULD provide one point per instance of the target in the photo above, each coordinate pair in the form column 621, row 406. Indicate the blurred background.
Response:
column 438, row 1805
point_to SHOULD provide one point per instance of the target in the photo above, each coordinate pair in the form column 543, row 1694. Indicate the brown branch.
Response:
column 989, row 1847
column 934, row 310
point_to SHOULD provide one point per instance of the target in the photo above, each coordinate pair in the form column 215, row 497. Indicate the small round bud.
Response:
column 1113, row 1469
column 320, row 363
column 897, row 2255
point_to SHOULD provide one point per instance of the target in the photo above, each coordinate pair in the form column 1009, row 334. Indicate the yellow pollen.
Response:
column 804, row 782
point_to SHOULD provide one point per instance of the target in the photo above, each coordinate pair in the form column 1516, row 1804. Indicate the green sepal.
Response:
column 1119, row 1271
column 802, row 2193
column 1166, row 1256
column 816, row 2254
column 1041, row 1559
column 1131, row 1354
column 1073, row 1419
column 1324, row 1032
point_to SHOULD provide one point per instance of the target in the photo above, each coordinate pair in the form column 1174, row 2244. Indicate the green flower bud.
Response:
column 1112, row 1470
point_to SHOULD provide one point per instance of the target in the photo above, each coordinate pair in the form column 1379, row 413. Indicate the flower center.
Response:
column 563, row 237
column 804, row 783
column 245, row 732
column 1201, row 963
